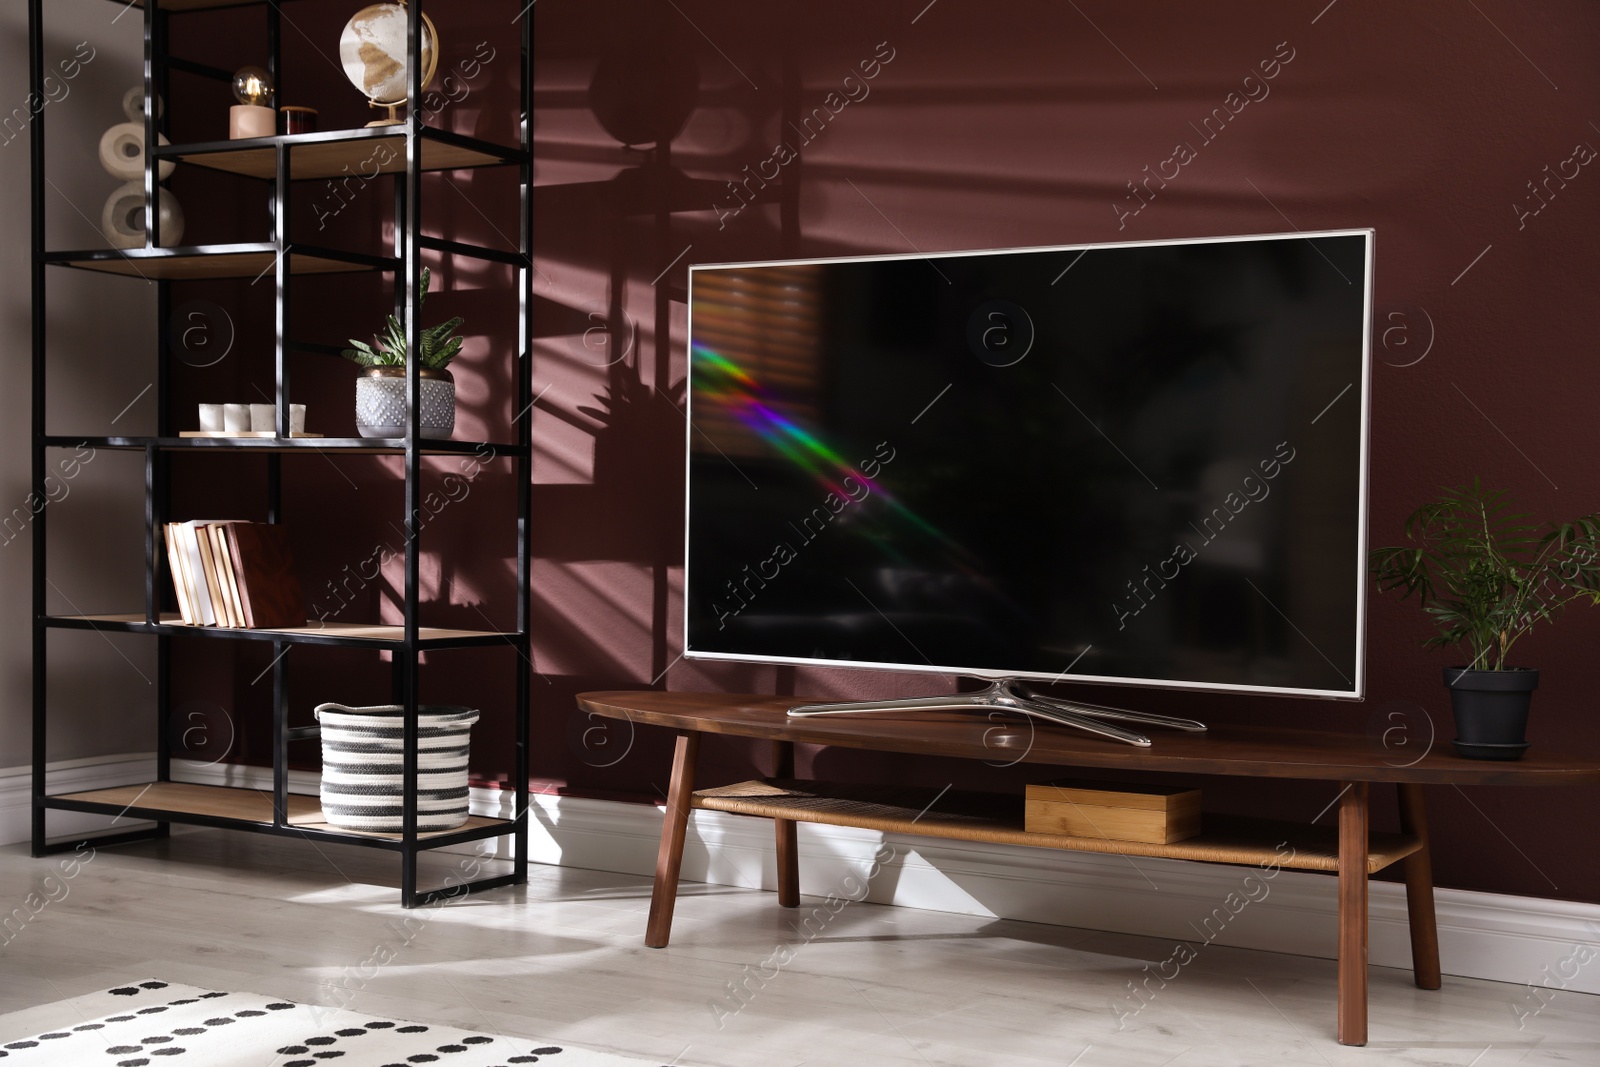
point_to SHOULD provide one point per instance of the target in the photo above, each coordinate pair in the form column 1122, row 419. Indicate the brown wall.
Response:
column 1020, row 123
column 997, row 125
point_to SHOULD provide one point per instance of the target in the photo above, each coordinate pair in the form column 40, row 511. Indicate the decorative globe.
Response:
column 373, row 51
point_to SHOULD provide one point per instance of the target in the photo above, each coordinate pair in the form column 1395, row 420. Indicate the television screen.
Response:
column 1134, row 463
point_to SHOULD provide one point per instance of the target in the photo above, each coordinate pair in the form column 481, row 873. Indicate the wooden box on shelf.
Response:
column 1113, row 811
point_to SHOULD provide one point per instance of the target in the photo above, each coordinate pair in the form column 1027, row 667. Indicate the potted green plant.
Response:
column 381, row 389
column 1486, row 576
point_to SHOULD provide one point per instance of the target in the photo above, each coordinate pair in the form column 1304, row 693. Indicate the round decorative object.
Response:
column 381, row 403
column 373, row 51
column 362, row 766
column 133, row 104
column 122, row 152
column 253, row 86
column 122, row 219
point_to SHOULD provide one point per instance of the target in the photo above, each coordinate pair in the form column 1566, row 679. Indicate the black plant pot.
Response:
column 1491, row 710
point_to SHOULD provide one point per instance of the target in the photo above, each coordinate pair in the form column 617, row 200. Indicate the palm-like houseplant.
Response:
column 1487, row 575
column 381, row 390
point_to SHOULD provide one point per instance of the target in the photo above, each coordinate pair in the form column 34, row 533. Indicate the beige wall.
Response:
column 102, row 356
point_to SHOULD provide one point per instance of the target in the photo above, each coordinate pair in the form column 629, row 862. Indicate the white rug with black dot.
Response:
column 153, row 1024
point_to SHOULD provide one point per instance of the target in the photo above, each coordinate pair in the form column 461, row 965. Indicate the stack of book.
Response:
column 236, row 574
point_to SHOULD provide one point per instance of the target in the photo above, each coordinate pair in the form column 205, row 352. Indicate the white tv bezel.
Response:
column 1357, row 691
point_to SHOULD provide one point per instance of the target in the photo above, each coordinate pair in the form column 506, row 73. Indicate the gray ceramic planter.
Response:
column 381, row 403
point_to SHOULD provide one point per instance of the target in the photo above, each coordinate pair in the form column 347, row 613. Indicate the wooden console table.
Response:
column 1353, row 851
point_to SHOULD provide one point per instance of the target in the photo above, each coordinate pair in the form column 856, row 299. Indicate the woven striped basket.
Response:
column 363, row 768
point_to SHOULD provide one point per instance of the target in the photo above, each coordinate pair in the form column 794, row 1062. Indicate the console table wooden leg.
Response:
column 669, row 860
column 1418, row 869
column 1353, row 805
column 788, row 841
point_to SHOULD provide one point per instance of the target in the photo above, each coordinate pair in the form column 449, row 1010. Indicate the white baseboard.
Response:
column 1481, row 935
column 69, row 776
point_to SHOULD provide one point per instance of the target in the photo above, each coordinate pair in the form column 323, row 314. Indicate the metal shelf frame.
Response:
column 383, row 638
column 247, row 157
column 171, row 267
column 370, row 446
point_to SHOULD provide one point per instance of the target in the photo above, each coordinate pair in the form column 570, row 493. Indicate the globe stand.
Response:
column 394, row 118
column 1008, row 694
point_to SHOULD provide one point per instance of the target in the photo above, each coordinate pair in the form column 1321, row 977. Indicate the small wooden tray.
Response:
column 240, row 433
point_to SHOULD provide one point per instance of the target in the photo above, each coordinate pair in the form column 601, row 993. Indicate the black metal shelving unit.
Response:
column 281, row 162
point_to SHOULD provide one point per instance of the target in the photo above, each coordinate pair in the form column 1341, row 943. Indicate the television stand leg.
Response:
column 1008, row 694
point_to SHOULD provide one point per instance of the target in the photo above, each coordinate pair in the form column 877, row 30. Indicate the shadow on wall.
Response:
column 629, row 108
column 712, row 132
column 660, row 143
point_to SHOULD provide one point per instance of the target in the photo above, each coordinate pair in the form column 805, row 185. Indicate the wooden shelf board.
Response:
column 999, row 819
column 139, row 263
column 329, row 159
column 271, row 443
column 243, row 805
column 344, row 630
column 255, row 435
column 188, row 5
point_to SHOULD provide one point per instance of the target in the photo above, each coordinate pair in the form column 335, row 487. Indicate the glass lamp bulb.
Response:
column 252, row 85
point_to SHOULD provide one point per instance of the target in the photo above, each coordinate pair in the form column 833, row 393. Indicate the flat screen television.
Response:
column 1136, row 464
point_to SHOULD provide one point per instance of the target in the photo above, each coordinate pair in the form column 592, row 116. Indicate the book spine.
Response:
column 188, row 577
column 197, row 574
column 243, row 577
column 219, row 607
column 192, row 575
column 219, row 565
column 230, row 573
column 175, row 572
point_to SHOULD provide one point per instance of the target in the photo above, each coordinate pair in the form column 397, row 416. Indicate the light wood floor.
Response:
column 562, row 959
